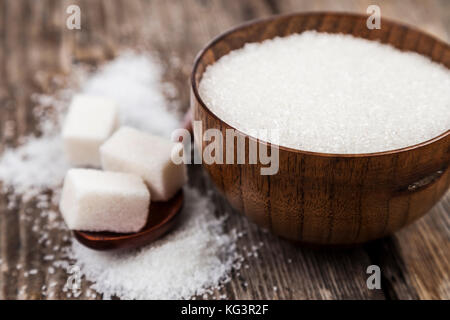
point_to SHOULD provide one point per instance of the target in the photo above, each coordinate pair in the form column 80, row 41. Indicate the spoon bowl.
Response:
column 162, row 218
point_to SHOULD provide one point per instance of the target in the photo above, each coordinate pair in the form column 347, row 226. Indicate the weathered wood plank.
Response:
column 425, row 249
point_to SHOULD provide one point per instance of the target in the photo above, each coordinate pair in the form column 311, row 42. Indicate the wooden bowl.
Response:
column 322, row 198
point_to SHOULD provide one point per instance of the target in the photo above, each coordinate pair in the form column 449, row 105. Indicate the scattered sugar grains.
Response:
column 330, row 93
column 190, row 261
column 133, row 80
column 34, row 166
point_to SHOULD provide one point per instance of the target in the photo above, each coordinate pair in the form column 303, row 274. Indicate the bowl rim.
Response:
column 246, row 24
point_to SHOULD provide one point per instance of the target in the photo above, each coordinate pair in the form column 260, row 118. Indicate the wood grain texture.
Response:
column 323, row 198
column 35, row 46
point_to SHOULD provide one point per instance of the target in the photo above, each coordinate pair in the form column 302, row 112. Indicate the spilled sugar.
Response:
column 135, row 83
column 35, row 166
column 330, row 93
column 133, row 80
column 195, row 259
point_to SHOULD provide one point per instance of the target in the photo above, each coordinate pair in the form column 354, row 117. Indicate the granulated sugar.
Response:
column 35, row 166
column 135, row 83
column 194, row 259
column 330, row 93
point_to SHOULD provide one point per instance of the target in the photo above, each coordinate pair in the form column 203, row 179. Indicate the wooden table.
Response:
column 415, row 262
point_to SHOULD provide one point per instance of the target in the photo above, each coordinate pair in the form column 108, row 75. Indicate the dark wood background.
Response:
column 415, row 262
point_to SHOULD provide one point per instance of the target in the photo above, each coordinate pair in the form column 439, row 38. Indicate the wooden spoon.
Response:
column 163, row 217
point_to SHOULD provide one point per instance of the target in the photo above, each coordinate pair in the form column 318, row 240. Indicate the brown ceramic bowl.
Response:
column 325, row 198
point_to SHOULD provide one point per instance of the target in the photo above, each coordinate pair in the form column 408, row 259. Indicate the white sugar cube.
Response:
column 90, row 121
column 94, row 200
column 148, row 156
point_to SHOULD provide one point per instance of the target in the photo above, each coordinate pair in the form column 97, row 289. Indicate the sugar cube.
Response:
column 94, row 200
column 90, row 121
column 148, row 156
